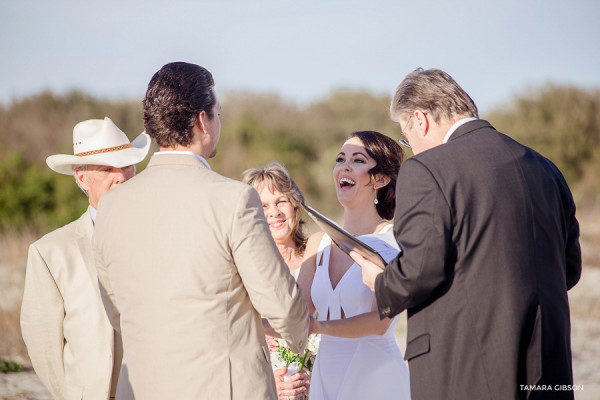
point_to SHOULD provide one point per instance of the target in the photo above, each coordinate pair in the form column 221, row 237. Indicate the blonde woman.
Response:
column 282, row 201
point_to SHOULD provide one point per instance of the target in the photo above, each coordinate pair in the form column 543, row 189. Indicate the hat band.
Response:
column 106, row 150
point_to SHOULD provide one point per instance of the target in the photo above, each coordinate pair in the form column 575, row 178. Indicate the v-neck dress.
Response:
column 370, row 367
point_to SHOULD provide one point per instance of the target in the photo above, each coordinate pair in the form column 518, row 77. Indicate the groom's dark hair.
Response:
column 176, row 94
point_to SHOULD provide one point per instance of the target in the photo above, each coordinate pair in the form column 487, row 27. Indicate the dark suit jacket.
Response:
column 490, row 247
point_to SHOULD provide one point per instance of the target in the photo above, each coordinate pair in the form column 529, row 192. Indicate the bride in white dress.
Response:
column 358, row 357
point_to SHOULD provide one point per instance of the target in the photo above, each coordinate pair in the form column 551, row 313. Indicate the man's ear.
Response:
column 81, row 179
column 202, row 121
column 421, row 122
column 381, row 180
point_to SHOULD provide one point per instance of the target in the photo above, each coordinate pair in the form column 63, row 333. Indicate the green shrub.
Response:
column 7, row 366
column 560, row 122
column 33, row 195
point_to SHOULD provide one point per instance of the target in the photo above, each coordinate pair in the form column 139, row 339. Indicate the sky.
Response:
column 299, row 49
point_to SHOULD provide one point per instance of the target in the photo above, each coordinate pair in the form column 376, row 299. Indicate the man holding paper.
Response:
column 490, row 246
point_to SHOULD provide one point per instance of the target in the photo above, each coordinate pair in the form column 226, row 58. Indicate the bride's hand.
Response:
column 314, row 326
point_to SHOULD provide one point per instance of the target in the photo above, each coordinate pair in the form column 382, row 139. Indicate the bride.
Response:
column 358, row 357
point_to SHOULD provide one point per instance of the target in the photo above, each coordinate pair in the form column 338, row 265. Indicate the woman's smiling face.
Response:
column 353, row 182
column 279, row 212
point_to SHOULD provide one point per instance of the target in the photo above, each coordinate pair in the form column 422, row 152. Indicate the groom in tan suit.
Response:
column 187, row 259
column 72, row 345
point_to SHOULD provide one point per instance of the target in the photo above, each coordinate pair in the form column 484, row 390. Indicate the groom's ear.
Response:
column 202, row 121
column 381, row 180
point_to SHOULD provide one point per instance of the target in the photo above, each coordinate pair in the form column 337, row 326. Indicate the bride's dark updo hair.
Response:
column 388, row 156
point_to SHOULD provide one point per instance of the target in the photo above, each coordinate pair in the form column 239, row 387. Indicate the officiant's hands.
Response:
column 369, row 270
column 293, row 387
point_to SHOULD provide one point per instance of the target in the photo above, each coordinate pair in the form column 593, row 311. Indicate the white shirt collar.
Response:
column 93, row 213
column 199, row 157
column 455, row 127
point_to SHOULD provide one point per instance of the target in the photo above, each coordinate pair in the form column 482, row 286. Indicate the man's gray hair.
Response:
column 84, row 169
column 434, row 92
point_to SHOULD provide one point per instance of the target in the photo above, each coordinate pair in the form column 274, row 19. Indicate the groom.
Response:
column 490, row 247
column 187, row 257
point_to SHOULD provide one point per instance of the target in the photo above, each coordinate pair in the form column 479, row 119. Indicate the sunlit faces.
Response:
column 279, row 211
column 351, row 173
column 99, row 179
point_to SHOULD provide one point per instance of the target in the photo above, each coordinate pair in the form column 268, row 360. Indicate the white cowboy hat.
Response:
column 100, row 142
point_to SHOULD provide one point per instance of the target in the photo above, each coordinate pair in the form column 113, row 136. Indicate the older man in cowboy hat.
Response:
column 72, row 345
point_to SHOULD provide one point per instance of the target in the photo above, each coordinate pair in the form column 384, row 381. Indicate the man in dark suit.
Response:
column 490, row 247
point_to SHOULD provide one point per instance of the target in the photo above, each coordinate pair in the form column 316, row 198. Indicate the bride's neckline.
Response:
column 379, row 226
column 352, row 264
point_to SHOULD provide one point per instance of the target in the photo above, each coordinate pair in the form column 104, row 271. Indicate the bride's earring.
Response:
column 376, row 201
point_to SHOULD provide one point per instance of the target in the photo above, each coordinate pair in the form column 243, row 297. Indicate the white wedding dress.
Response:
column 370, row 367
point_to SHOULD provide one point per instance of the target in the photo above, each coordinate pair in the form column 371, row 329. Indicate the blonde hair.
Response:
column 276, row 177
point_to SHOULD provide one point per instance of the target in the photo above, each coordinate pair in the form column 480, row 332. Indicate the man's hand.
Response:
column 369, row 270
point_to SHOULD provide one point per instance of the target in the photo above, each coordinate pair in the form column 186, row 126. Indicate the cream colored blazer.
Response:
column 67, row 332
column 191, row 266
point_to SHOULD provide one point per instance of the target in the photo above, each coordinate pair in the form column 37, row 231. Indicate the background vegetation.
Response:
column 561, row 122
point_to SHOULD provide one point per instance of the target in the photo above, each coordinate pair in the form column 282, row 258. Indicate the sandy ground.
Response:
column 585, row 319
column 22, row 386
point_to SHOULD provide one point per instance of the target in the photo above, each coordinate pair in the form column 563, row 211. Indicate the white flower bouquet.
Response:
column 294, row 361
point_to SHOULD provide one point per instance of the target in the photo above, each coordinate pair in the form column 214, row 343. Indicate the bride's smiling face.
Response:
column 353, row 183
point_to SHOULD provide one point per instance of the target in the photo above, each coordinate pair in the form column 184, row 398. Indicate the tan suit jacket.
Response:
column 192, row 267
column 67, row 332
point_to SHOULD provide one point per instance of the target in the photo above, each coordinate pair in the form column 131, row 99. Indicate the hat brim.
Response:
column 64, row 163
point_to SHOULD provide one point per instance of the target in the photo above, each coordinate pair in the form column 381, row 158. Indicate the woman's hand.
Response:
column 295, row 387
column 314, row 326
